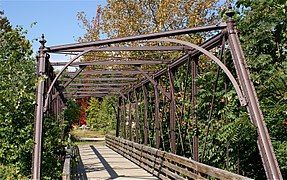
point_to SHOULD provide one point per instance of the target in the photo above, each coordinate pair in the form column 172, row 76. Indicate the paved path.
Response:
column 100, row 162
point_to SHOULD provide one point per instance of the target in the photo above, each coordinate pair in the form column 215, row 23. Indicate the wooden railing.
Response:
column 66, row 175
column 166, row 165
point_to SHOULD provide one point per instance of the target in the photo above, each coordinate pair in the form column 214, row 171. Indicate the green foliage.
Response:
column 101, row 114
column 17, row 107
column 52, row 149
column 17, row 89
column 10, row 173
column 263, row 33
column 71, row 114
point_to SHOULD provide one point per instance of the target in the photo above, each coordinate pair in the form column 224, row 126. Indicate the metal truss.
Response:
column 98, row 78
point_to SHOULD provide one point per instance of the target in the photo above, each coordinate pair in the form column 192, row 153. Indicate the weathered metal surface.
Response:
column 195, row 139
column 108, row 63
column 209, row 44
column 139, row 48
column 36, row 166
column 101, row 79
column 245, row 89
column 47, row 99
column 135, row 38
column 217, row 61
column 111, row 72
column 156, row 118
column 99, row 84
column 145, row 115
column 130, row 117
column 172, row 116
column 136, row 117
column 264, row 143
column 69, row 81
column 154, row 82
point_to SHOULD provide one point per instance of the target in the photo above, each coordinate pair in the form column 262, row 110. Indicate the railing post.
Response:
column 264, row 143
column 172, row 112
column 193, row 101
column 145, row 115
column 36, row 162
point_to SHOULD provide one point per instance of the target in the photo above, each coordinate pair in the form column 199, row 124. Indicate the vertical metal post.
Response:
column 193, row 102
column 136, row 117
column 156, row 118
column 118, row 117
column 36, row 166
column 145, row 115
column 130, row 117
column 172, row 112
column 125, row 119
column 264, row 143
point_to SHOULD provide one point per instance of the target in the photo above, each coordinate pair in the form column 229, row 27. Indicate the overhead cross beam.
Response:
column 92, row 88
column 134, row 38
column 103, row 79
column 109, row 63
column 138, row 48
column 111, row 72
column 99, row 84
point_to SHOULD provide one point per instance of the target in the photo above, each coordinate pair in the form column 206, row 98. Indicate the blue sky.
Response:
column 57, row 19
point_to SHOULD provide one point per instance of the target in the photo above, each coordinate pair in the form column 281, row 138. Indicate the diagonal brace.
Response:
column 154, row 82
column 70, row 80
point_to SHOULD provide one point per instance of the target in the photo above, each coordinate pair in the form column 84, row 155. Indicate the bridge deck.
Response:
column 100, row 162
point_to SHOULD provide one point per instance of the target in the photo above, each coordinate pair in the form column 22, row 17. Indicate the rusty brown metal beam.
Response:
column 172, row 116
column 146, row 130
column 135, row 38
column 69, row 81
column 102, row 79
column 209, row 44
column 154, row 82
column 111, row 72
column 93, row 88
column 99, row 84
column 37, row 160
column 136, row 48
column 156, row 118
column 136, row 118
column 194, row 73
column 109, row 63
column 89, row 92
column 266, row 150
column 118, row 125
column 130, row 117
column 84, row 95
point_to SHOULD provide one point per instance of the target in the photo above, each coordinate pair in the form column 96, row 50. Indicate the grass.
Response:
column 86, row 133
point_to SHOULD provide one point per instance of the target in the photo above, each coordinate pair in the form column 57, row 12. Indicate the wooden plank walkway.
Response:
column 100, row 162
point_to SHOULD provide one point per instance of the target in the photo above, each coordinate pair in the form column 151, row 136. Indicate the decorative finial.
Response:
column 230, row 12
column 42, row 41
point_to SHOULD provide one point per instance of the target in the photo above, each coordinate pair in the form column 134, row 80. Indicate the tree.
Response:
column 17, row 107
column 263, row 34
column 17, row 94
column 101, row 114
